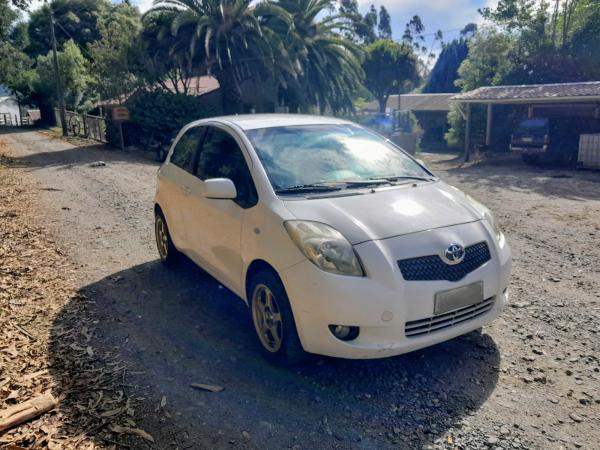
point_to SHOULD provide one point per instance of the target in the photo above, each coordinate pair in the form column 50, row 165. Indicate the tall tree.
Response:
column 488, row 62
column 362, row 27
column 444, row 74
column 319, row 50
column 75, row 19
column 385, row 24
column 390, row 68
column 228, row 36
column 15, row 66
column 115, row 56
column 74, row 75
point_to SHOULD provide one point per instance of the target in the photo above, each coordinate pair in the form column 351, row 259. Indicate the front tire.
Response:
column 273, row 320
column 166, row 249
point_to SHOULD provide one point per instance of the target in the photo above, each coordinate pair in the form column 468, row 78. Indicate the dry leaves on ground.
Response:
column 47, row 338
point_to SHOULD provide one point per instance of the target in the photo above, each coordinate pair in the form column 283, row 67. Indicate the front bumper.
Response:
column 529, row 149
column 383, row 302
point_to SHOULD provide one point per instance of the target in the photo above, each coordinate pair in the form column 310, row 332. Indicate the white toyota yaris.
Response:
column 340, row 243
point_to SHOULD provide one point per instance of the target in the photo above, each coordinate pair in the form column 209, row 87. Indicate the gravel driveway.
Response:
column 530, row 380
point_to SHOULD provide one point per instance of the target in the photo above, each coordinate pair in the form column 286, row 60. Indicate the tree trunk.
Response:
column 382, row 103
column 230, row 92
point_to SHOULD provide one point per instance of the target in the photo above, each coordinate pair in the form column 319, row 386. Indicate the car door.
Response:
column 213, row 226
column 175, row 178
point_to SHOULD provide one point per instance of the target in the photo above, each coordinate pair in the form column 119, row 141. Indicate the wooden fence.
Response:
column 84, row 125
column 13, row 120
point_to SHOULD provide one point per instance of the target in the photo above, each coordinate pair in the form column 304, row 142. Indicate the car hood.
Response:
column 388, row 212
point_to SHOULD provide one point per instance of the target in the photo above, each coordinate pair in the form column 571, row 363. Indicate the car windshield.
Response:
column 533, row 125
column 299, row 156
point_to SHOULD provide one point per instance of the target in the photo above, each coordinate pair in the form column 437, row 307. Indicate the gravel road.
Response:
column 529, row 380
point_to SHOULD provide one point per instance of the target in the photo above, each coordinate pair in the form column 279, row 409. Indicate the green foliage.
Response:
column 74, row 75
column 390, row 68
column 116, row 55
column 165, row 113
column 455, row 136
column 361, row 28
column 585, row 47
column 488, row 62
column 385, row 24
column 317, row 50
column 231, row 46
column 15, row 66
column 75, row 19
column 444, row 74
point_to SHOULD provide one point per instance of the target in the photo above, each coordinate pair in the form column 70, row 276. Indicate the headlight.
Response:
column 325, row 247
column 488, row 217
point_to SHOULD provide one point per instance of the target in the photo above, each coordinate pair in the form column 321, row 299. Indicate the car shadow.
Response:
column 147, row 333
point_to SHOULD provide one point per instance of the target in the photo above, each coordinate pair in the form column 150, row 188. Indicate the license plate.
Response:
column 527, row 139
column 457, row 298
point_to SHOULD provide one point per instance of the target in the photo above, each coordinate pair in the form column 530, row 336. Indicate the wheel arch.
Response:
column 253, row 268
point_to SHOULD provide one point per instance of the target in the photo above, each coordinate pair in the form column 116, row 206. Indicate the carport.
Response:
column 560, row 99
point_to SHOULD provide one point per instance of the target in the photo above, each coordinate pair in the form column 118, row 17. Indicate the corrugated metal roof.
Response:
column 415, row 102
column 524, row 93
column 425, row 102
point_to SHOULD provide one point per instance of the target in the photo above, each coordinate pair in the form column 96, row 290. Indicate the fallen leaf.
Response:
column 133, row 431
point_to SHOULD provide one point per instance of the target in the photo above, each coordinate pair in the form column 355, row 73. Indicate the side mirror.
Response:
column 220, row 188
column 420, row 161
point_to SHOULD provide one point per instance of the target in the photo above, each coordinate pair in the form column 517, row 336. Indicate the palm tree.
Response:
column 329, row 65
column 229, row 39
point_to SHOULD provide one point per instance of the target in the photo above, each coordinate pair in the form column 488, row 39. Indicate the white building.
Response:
column 9, row 107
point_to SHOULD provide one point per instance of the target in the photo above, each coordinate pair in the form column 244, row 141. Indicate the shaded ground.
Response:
column 516, row 385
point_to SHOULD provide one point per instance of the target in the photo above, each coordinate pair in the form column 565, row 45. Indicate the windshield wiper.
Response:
column 302, row 188
column 399, row 177
column 369, row 182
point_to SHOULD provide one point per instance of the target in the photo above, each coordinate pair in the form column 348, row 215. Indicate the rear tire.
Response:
column 533, row 160
column 166, row 249
column 273, row 320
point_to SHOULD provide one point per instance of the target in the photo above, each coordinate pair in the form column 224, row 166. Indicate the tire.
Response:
column 166, row 249
column 533, row 160
column 273, row 320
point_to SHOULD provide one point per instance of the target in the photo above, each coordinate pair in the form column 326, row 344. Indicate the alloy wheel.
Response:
column 267, row 319
column 162, row 238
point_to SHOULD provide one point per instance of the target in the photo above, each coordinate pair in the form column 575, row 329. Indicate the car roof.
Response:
column 256, row 121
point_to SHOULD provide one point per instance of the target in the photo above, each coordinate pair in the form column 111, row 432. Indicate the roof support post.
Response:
column 488, row 127
column 530, row 112
column 467, row 132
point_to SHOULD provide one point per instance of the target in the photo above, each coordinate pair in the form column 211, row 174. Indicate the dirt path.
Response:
column 531, row 380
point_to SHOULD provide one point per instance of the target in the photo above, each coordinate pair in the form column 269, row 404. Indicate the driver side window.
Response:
column 221, row 157
column 185, row 149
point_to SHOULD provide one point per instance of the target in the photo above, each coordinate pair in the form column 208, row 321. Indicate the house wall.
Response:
column 9, row 105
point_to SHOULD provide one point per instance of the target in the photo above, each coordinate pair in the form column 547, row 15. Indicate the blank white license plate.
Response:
column 457, row 298
column 527, row 139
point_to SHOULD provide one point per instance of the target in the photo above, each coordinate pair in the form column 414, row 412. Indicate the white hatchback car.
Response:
column 340, row 242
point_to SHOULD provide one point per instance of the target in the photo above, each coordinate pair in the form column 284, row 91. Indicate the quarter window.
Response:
column 221, row 157
column 185, row 149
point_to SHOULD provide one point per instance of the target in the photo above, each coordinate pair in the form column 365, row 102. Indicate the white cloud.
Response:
column 436, row 14
column 144, row 5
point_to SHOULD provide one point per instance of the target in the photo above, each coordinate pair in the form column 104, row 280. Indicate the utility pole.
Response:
column 59, row 88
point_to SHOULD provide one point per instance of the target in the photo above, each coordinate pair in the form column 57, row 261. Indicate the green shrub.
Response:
column 157, row 113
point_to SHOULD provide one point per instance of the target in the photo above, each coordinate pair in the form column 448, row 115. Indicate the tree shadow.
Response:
column 149, row 332
column 510, row 172
column 66, row 158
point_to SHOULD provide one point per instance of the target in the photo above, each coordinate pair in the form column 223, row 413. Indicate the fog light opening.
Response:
column 344, row 332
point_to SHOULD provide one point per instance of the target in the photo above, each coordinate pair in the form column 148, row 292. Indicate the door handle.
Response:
column 186, row 190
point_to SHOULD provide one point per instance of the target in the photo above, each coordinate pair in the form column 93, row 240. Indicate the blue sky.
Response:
column 436, row 14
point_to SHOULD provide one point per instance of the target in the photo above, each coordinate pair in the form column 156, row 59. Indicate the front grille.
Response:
column 433, row 268
column 436, row 323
